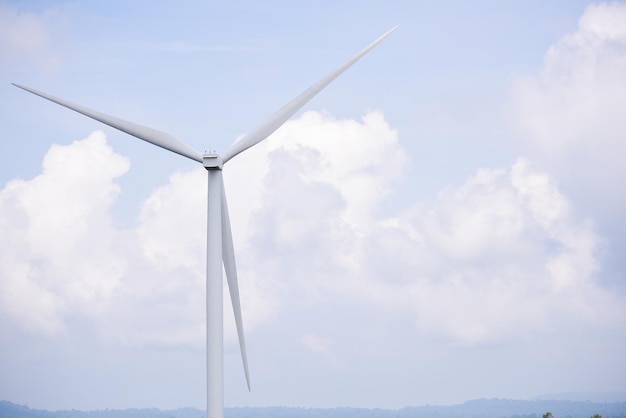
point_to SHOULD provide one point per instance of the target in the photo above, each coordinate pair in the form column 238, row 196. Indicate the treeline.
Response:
column 481, row 408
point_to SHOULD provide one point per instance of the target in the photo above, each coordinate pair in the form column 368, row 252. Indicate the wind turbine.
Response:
column 219, row 235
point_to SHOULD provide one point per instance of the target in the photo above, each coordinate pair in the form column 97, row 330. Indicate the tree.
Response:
column 597, row 416
column 549, row 415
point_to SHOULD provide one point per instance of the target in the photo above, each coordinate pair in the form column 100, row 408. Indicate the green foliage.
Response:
column 549, row 415
column 596, row 416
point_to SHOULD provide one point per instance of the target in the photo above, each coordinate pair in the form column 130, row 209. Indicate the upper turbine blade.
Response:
column 284, row 113
column 153, row 136
column 228, row 255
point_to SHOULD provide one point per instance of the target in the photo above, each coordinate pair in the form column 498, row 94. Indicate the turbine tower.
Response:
column 219, row 235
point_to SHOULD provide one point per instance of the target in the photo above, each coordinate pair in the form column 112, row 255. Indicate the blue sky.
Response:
column 444, row 222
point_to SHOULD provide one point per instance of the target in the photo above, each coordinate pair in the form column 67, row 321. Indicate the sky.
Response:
column 444, row 222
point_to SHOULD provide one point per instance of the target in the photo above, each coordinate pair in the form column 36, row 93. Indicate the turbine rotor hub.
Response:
column 212, row 161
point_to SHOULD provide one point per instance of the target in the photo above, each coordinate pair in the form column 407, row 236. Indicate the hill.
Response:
column 480, row 408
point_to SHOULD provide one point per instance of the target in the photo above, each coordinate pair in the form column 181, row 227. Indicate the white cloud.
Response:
column 356, row 159
column 62, row 257
column 26, row 35
column 57, row 241
column 572, row 112
column 178, row 210
column 128, row 279
column 501, row 257
column 578, row 98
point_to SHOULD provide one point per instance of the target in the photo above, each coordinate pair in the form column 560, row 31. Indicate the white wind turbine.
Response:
column 219, row 235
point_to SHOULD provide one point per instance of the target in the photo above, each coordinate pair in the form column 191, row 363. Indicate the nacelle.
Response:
column 212, row 161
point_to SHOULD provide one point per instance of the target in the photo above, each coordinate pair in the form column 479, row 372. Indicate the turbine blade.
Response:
column 287, row 111
column 160, row 139
column 228, row 255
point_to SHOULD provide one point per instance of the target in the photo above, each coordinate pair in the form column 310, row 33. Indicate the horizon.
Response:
column 582, row 397
column 486, row 408
column 443, row 223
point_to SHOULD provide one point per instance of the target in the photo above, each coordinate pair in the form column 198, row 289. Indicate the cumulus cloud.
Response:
column 149, row 280
column 58, row 251
column 503, row 257
column 62, row 256
column 357, row 159
column 572, row 112
column 500, row 257
column 177, row 209
column 578, row 98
